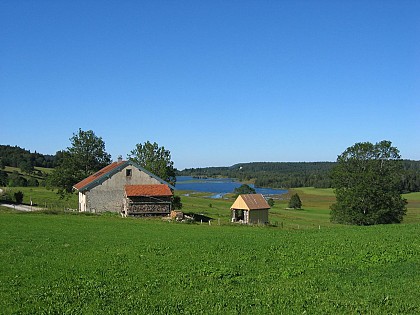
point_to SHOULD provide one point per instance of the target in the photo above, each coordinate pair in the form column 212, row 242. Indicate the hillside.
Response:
column 20, row 167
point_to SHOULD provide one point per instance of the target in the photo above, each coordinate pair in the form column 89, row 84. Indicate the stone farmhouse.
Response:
column 126, row 188
column 250, row 209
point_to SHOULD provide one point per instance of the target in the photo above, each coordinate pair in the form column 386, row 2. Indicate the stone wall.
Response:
column 139, row 209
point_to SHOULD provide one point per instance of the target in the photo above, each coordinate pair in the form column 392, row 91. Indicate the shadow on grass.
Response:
column 199, row 217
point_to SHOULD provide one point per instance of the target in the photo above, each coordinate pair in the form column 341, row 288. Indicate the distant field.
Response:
column 10, row 170
column 77, row 264
column 315, row 212
column 413, row 207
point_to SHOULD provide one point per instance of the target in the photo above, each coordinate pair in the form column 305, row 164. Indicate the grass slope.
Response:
column 45, row 198
column 76, row 264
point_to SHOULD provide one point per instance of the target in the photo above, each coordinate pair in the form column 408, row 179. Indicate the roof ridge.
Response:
column 101, row 175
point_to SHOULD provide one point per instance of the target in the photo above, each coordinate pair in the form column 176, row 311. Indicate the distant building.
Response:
column 250, row 209
column 120, row 186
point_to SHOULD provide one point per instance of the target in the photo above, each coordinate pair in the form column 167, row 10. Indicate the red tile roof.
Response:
column 97, row 175
column 147, row 190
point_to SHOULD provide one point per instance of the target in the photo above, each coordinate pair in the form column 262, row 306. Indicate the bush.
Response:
column 295, row 202
column 33, row 182
column 18, row 197
column 243, row 190
column 176, row 203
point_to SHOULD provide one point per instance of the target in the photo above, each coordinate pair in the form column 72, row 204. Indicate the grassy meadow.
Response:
column 70, row 263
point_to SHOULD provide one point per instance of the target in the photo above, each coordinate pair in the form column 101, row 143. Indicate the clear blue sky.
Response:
column 215, row 82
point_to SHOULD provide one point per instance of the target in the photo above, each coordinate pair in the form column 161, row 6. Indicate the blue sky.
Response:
column 215, row 82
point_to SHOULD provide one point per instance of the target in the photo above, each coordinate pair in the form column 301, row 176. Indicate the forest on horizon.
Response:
column 262, row 174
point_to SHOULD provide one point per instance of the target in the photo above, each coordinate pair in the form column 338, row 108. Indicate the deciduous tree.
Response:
column 176, row 203
column 155, row 159
column 3, row 178
column 367, row 182
column 86, row 156
column 18, row 197
column 244, row 189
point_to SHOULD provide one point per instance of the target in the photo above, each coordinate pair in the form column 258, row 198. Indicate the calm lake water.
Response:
column 218, row 186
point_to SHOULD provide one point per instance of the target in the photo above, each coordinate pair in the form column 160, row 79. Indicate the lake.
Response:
column 218, row 186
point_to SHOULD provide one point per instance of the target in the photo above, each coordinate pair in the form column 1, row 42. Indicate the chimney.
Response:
column 119, row 158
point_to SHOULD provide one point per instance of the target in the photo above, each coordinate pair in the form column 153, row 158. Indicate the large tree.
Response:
column 85, row 156
column 155, row 159
column 366, row 181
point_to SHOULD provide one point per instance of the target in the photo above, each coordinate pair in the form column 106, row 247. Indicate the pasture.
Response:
column 78, row 264
column 69, row 263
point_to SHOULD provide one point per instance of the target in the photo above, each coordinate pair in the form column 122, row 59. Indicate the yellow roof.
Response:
column 250, row 202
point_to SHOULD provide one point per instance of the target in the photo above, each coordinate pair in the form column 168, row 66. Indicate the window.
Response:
column 128, row 172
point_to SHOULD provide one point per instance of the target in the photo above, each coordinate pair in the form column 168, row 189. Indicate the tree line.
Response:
column 296, row 174
column 15, row 156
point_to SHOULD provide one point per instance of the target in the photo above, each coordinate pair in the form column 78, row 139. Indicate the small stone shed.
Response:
column 147, row 200
column 250, row 209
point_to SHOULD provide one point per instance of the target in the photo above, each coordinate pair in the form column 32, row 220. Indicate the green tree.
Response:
column 88, row 152
column 86, row 156
column 367, row 182
column 244, row 189
column 33, row 182
column 18, row 197
column 176, row 203
column 3, row 178
column 270, row 202
column 26, row 167
column 15, row 180
column 155, row 159
column 295, row 202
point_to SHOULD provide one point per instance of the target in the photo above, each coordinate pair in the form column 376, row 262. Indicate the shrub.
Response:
column 295, row 202
column 18, row 197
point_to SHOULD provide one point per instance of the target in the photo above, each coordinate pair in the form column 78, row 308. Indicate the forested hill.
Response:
column 272, row 174
column 24, row 159
column 295, row 174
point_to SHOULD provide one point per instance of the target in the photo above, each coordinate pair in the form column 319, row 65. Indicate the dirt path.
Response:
column 20, row 207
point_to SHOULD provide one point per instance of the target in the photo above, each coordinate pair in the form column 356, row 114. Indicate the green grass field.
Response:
column 77, row 264
column 70, row 263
